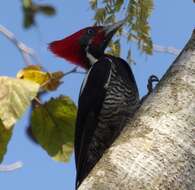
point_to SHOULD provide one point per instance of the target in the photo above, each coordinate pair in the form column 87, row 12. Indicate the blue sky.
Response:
column 172, row 23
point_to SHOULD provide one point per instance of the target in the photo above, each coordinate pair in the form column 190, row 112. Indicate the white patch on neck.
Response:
column 84, row 82
column 91, row 58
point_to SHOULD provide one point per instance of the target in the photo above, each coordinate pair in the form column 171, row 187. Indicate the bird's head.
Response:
column 86, row 46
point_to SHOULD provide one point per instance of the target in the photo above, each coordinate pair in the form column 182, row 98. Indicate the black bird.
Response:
column 108, row 95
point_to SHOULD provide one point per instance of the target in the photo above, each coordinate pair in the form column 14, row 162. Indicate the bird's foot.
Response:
column 151, row 81
column 150, row 86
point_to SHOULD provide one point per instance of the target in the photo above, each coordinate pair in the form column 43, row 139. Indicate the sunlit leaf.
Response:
column 5, row 135
column 15, row 97
column 48, row 81
column 93, row 4
column 118, row 5
column 27, row 3
column 53, row 126
column 114, row 48
column 136, row 13
column 100, row 15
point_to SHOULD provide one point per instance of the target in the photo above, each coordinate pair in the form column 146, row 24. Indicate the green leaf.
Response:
column 5, row 135
column 100, row 15
column 31, row 9
column 93, row 4
column 53, row 126
column 118, row 5
column 26, row 3
column 136, row 12
column 28, row 19
column 15, row 97
column 114, row 48
column 47, row 10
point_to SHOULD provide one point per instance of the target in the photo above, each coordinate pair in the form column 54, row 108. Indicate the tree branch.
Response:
column 156, row 150
column 162, row 49
column 159, row 48
column 74, row 70
column 27, row 53
column 11, row 167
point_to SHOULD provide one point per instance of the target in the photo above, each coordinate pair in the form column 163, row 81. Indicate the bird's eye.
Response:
column 90, row 31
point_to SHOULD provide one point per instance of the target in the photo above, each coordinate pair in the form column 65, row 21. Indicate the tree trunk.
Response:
column 157, row 149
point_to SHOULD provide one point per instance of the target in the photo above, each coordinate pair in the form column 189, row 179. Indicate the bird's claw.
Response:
column 151, row 80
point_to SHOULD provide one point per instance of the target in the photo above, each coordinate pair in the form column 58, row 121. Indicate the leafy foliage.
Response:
column 139, row 11
column 136, row 13
column 15, row 97
column 30, row 9
column 114, row 48
column 52, row 123
column 5, row 135
column 53, row 126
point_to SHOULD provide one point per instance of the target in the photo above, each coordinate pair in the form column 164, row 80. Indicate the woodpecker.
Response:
column 108, row 96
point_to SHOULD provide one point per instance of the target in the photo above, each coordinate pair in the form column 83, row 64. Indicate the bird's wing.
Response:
column 124, row 70
column 90, row 103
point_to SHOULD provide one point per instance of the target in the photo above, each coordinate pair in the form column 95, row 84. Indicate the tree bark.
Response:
column 156, row 150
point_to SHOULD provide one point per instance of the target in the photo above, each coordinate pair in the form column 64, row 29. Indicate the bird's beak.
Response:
column 109, row 31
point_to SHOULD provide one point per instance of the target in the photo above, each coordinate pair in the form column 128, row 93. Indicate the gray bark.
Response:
column 156, row 151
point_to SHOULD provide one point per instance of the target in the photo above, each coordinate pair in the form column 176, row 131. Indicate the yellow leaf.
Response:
column 15, row 97
column 48, row 81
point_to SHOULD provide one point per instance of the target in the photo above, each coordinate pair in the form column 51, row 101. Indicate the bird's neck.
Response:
column 92, row 54
column 92, row 59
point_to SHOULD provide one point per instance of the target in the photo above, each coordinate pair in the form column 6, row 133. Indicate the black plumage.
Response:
column 108, row 98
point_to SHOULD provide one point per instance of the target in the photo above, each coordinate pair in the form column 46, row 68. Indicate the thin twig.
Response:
column 74, row 70
column 158, row 48
column 11, row 167
column 162, row 49
column 27, row 53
